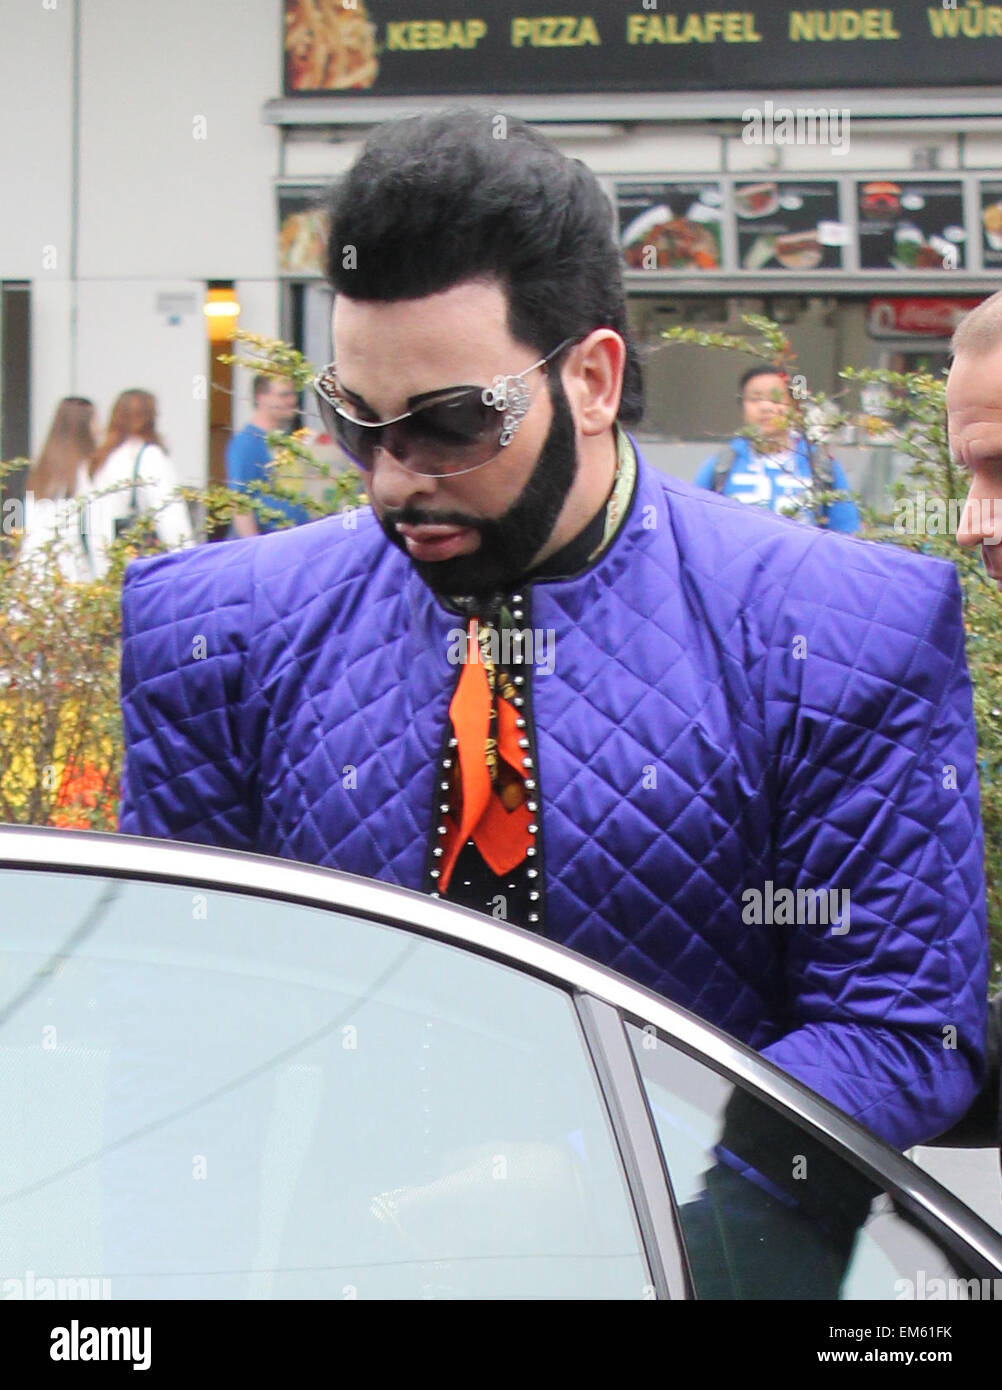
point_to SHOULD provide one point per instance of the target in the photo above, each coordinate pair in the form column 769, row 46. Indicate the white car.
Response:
column 226, row 1076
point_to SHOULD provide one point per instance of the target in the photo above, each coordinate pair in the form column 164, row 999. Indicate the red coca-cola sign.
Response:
column 916, row 318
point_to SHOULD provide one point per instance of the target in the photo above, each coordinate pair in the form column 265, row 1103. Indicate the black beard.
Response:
column 508, row 545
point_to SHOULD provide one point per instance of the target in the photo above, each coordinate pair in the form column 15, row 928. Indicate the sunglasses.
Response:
column 461, row 429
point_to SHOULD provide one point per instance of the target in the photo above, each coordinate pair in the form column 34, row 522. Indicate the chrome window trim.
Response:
column 640, row 1151
column 77, row 851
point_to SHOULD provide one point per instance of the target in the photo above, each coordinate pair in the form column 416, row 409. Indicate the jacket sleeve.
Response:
column 189, row 726
column 981, row 1127
column 842, row 516
column 868, row 711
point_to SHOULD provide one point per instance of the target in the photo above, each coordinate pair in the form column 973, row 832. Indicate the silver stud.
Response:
column 532, row 828
column 531, row 806
column 438, row 851
column 516, row 598
column 533, row 896
column 531, row 849
column 443, row 830
column 532, row 873
column 511, row 885
column 466, row 883
column 443, row 786
column 444, row 806
column 523, row 743
column 436, row 873
column 433, row 894
column 519, row 680
column 453, row 742
column 520, row 723
column 516, row 612
column 446, row 762
column 518, row 702
column 470, row 840
column 530, row 784
column 533, row 916
column 527, row 762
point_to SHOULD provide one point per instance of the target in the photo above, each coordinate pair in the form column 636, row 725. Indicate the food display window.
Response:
column 839, row 232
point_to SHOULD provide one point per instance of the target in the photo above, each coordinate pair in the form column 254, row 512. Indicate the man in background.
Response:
column 777, row 474
column 248, row 456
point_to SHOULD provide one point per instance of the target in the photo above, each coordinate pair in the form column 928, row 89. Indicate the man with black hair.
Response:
column 773, row 467
column 542, row 680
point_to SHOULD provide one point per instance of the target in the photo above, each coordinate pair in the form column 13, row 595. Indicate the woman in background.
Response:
column 51, row 517
column 133, row 463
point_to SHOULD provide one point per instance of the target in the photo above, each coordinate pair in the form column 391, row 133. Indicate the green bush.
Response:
column 60, row 641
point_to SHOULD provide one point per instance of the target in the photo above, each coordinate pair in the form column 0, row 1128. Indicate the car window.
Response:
column 767, row 1210
column 207, row 1094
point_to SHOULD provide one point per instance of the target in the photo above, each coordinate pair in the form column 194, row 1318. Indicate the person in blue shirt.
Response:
column 248, row 455
column 777, row 477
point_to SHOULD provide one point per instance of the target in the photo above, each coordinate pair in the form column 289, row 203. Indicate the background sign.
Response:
column 669, row 226
column 445, row 47
column 785, row 225
column 916, row 318
column 908, row 224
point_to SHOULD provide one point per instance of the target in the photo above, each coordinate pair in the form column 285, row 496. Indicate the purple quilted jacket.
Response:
column 738, row 706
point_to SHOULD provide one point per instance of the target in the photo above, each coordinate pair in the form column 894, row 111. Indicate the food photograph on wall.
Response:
column 909, row 225
column 670, row 226
column 783, row 225
column 329, row 46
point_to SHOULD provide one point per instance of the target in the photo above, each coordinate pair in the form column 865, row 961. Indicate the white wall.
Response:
column 35, row 117
column 157, row 199
column 176, row 189
column 123, row 342
column 36, row 184
column 160, row 207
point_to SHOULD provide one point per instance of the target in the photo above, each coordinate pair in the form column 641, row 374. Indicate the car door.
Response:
column 214, row 1087
column 224, row 1076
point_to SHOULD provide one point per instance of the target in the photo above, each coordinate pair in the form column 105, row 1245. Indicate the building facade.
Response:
column 839, row 170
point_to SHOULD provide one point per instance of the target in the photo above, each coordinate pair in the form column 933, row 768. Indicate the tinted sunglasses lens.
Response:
column 356, row 442
column 452, row 435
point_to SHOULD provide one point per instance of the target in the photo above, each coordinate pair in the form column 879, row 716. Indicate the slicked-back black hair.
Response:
column 437, row 200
